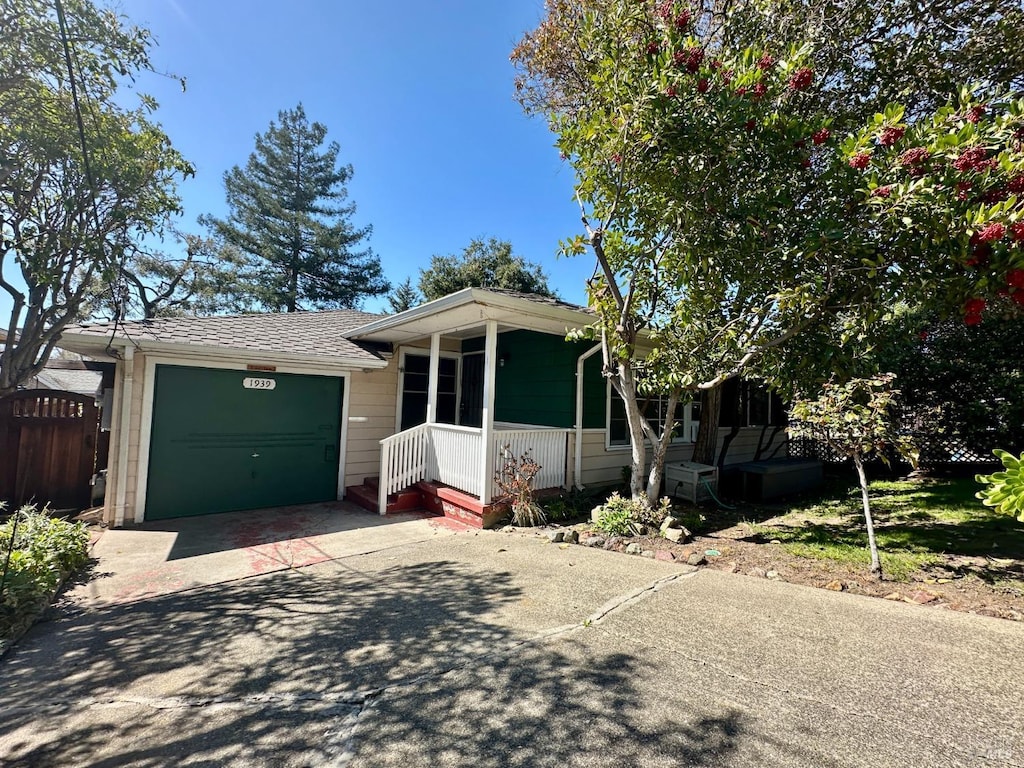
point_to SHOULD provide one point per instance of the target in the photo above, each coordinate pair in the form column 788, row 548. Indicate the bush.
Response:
column 622, row 516
column 1005, row 489
column 36, row 551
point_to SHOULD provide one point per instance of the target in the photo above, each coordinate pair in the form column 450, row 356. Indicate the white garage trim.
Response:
column 146, row 426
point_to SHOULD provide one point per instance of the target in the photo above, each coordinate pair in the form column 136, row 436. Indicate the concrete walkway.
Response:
column 409, row 645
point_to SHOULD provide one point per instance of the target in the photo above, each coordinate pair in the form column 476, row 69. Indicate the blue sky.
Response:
column 418, row 94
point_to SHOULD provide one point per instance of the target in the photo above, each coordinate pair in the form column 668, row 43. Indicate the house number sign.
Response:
column 251, row 382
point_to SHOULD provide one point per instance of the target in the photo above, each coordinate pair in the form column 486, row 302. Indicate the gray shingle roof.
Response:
column 538, row 299
column 301, row 333
column 80, row 382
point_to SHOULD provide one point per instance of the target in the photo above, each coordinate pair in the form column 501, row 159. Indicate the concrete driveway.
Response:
column 398, row 643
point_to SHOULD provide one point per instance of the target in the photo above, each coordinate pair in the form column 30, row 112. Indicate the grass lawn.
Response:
column 927, row 525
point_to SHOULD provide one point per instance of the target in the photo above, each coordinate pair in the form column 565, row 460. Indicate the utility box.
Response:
column 691, row 481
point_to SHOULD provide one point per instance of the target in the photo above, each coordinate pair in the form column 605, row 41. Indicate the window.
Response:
column 415, row 384
column 655, row 408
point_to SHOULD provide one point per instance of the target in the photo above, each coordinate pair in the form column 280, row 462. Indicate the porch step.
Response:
column 366, row 496
column 460, row 506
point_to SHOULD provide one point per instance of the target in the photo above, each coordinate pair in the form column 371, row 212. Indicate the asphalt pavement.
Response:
column 326, row 637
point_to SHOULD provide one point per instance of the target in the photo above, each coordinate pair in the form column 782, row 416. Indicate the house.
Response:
column 212, row 414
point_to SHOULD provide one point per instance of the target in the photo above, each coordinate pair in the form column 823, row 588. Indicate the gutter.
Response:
column 578, row 444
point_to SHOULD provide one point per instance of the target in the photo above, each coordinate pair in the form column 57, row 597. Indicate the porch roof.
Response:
column 462, row 313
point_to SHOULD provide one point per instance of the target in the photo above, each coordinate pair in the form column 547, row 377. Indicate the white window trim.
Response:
column 424, row 352
column 687, row 429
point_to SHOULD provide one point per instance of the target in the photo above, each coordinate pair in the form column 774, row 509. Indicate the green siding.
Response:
column 218, row 447
column 537, row 382
column 595, row 393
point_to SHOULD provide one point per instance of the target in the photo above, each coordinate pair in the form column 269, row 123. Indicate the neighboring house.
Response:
column 68, row 376
column 228, row 413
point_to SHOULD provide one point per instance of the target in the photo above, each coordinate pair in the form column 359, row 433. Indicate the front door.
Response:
column 471, row 409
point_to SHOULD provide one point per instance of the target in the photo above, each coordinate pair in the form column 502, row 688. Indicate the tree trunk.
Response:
column 660, row 451
column 626, row 386
column 706, row 446
column 876, row 563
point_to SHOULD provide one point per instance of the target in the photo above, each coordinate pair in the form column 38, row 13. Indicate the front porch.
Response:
column 437, row 467
column 476, row 383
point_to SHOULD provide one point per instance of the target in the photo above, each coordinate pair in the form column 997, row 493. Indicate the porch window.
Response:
column 415, row 386
column 655, row 408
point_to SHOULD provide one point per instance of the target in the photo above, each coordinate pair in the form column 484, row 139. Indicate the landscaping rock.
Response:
column 638, row 529
column 592, row 541
column 665, row 556
column 893, row 596
column 612, row 542
column 633, row 549
column 572, row 537
column 595, row 513
column 677, row 535
column 648, row 553
column 730, row 568
column 773, row 575
column 758, row 573
column 670, row 522
column 921, row 596
column 836, row 586
column 696, row 559
column 775, row 541
column 556, row 536
column 508, row 529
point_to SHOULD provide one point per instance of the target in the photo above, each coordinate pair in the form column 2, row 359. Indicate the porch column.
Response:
column 435, row 358
column 487, row 413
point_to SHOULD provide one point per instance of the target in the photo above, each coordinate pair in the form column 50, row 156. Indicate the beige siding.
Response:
column 372, row 404
column 603, row 466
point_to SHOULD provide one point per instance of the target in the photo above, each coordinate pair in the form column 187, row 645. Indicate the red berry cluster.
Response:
column 801, row 79
column 914, row 157
column 766, row 62
column 885, row 191
column 972, row 159
column 992, row 232
column 760, row 89
column 975, row 113
column 1016, row 184
column 891, row 134
column 691, row 58
column 972, row 311
column 860, row 161
column 653, row 48
column 821, row 136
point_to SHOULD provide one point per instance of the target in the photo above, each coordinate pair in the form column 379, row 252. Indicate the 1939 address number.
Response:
column 251, row 382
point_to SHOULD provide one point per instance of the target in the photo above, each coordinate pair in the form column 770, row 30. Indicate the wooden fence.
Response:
column 47, row 448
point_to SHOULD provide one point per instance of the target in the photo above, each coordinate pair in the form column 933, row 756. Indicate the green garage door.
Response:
column 229, row 440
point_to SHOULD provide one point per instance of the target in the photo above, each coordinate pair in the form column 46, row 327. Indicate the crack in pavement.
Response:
column 346, row 709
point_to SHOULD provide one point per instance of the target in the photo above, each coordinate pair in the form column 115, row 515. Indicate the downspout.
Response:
column 577, row 445
column 124, row 430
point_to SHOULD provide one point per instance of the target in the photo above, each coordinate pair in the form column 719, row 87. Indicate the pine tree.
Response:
column 404, row 296
column 289, row 218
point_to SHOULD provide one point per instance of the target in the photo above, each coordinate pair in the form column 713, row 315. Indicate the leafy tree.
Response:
column 728, row 237
column 289, row 219
column 481, row 264
column 78, row 182
column 404, row 296
column 198, row 280
column 857, row 419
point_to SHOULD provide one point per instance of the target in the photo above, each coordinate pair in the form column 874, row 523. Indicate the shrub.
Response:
column 1005, row 489
column 36, row 551
column 622, row 516
column 515, row 481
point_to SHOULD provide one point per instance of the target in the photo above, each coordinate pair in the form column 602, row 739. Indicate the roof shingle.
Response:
column 302, row 333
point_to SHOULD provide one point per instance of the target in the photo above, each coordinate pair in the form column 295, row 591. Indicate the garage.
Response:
column 225, row 440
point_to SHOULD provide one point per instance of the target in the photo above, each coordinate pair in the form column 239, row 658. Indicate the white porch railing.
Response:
column 453, row 454
column 455, row 457
column 547, row 447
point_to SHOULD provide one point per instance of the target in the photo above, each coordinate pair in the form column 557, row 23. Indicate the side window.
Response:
column 654, row 408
